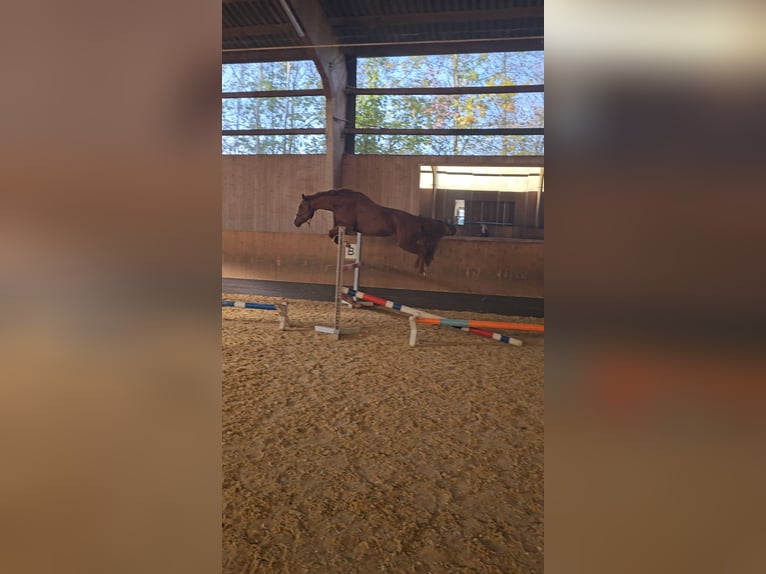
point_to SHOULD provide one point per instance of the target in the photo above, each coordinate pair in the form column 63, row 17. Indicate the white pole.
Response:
column 284, row 322
column 539, row 195
column 336, row 331
column 339, row 274
column 357, row 260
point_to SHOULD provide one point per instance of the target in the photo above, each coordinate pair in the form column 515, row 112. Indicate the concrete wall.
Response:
column 262, row 193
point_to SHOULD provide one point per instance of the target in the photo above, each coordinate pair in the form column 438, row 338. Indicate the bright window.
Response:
column 499, row 201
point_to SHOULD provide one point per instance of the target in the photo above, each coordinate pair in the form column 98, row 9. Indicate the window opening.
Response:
column 487, row 201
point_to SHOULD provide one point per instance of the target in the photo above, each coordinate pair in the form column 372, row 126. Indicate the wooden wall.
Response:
column 261, row 195
column 262, row 192
column 486, row 266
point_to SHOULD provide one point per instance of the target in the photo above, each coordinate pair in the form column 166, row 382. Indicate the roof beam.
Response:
column 375, row 50
column 233, row 56
column 422, row 48
column 320, row 39
column 274, row 132
column 457, row 90
column 450, row 131
column 273, row 94
column 441, row 17
column 331, row 64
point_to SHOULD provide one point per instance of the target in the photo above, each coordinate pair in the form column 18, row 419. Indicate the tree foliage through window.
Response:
column 282, row 112
column 393, row 111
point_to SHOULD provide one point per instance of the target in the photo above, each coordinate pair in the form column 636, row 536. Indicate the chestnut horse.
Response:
column 359, row 214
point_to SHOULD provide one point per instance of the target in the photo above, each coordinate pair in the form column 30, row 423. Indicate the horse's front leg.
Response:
column 421, row 262
column 333, row 233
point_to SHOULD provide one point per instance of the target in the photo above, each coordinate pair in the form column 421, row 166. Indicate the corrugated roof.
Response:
column 261, row 30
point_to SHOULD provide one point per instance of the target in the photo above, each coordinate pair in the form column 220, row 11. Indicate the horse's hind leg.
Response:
column 426, row 257
column 419, row 263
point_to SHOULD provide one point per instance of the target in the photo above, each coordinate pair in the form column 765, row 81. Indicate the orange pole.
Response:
column 483, row 324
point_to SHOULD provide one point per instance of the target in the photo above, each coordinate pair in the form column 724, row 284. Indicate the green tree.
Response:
column 283, row 112
column 417, row 111
column 369, row 110
column 451, row 111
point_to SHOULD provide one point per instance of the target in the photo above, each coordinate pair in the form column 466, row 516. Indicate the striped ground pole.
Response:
column 386, row 303
column 417, row 313
column 281, row 308
column 248, row 305
column 492, row 335
column 484, row 324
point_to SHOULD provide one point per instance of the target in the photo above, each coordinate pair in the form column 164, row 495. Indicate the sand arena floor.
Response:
column 367, row 455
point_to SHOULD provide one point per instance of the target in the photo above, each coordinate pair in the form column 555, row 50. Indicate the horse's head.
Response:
column 449, row 229
column 305, row 212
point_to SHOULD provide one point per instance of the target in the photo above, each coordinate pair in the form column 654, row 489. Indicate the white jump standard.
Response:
column 354, row 261
column 281, row 308
column 336, row 330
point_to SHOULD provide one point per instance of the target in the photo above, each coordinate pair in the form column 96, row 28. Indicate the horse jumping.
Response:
column 359, row 214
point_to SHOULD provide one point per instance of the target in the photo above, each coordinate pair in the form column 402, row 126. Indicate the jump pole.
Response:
column 336, row 330
column 281, row 308
column 531, row 327
column 417, row 313
column 499, row 337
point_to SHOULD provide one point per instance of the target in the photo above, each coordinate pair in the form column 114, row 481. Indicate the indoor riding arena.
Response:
column 383, row 395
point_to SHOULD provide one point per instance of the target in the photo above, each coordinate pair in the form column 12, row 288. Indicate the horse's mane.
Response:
column 339, row 192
